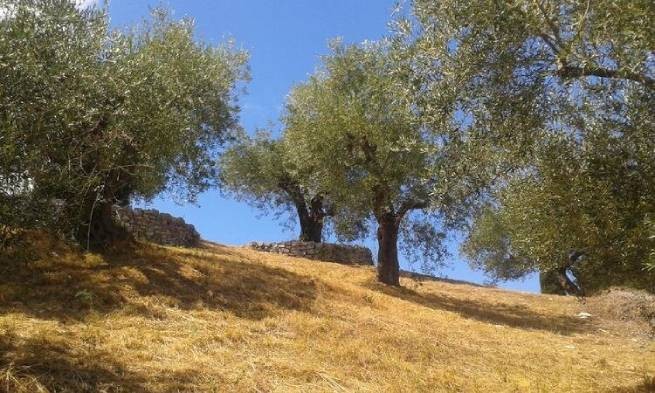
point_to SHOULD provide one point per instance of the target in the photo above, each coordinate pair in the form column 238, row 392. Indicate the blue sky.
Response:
column 285, row 39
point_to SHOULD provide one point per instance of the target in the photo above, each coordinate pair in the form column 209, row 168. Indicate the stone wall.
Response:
column 351, row 255
column 154, row 226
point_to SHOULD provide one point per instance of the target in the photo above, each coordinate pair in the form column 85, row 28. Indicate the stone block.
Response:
column 152, row 225
column 339, row 253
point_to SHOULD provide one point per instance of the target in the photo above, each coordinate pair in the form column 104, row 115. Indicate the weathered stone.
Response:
column 156, row 227
column 352, row 255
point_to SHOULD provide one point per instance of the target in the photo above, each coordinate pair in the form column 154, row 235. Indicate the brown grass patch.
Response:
column 158, row 319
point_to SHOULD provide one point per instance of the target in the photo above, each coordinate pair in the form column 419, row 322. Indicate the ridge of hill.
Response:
column 146, row 318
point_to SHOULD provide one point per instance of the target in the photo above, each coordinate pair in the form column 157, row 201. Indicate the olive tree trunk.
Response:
column 98, row 228
column 311, row 227
column 388, row 266
column 550, row 283
column 310, row 217
column 567, row 284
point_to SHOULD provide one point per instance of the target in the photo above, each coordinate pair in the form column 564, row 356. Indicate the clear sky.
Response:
column 285, row 39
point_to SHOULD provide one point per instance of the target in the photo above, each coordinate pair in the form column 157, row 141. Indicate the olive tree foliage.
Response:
column 257, row 170
column 577, row 200
column 555, row 113
column 355, row 125
column 92, row 117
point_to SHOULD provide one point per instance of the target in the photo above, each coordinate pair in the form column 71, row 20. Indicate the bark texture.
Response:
column 557, row 282
column 99, row 230
column 311, row 219
column 311, row 214
column 388, row 266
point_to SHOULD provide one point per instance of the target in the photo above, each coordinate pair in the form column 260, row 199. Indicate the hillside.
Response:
column 154, row 319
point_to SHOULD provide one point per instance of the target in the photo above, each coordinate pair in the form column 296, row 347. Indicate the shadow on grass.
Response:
column 32, row 365
column 512, row 315
column 48, row 364
column 646, row 386
column 212, row 277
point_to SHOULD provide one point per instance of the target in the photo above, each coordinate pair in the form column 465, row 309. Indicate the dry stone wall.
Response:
column 157, row 227
column 351, row 255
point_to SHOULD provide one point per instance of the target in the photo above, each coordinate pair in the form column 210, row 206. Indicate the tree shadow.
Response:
column 209, row 278
column 646, row 386
column 513, row 315
column 49, row 364
column 35, row 364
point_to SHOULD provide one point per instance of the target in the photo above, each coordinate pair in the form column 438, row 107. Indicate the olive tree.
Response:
column 532, row 76
column 257, row 170
column 95, row 117
column 580, row 213
column 354, row 124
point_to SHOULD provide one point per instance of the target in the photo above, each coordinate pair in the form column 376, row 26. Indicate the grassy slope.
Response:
column 155, row 319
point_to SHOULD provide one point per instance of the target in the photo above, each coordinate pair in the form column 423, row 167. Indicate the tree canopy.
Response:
column 593, row 201
column 354, row 123
column 555, row 103
column 93, row 117
column 258, row 170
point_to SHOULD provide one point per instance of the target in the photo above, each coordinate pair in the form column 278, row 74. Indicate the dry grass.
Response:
column 154, row 319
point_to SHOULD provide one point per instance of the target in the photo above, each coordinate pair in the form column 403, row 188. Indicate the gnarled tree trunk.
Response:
column 98, row 228
column 388, row 266
column 311, row 227
column 567, row 284
column 557, row 282
column 310, row 216
column 550, row 283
